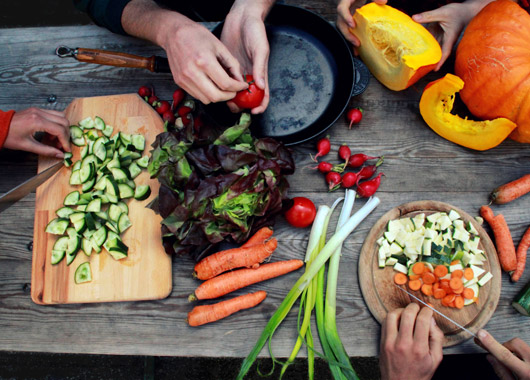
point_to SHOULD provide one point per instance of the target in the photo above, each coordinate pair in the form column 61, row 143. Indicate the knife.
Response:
column 27, row 187
column 436, row 311
column 154, row 63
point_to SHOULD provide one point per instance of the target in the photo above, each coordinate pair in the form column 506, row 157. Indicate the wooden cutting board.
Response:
column 382, row 296
column 146, row 273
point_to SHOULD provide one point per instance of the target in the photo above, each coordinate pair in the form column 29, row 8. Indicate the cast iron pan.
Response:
column 312, row 75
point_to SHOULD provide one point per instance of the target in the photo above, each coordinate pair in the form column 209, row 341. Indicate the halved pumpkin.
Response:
column 397, row 50
column 436, row 104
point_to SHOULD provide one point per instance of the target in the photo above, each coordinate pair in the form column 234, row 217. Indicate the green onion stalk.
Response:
column 304, row 281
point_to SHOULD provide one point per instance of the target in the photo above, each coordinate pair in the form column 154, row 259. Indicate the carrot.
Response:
column 259, row 237
column 418, row 268
column 428, row 278
column 203, row 314
column 457, row 273
column 522, row 250
column 454, row 262
column 237, row 279
column 468, row 274
column 400, row 278
column 223, row 261
column 460, row 290
column 468, row 293
column 459, row 302
column 439, row 293
column 426, row 289
column 511, row 190
column 456, row 283
column 448, row 299
column 441, row 270
column 415, row 284
column 413, row 277
column 435, row 286
column 503, row 239
column 444, row 284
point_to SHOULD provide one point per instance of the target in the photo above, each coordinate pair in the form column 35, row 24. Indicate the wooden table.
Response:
column 418, row 165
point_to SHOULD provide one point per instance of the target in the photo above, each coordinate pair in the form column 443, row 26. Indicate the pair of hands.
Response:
column 411, row 348
column 445, row 23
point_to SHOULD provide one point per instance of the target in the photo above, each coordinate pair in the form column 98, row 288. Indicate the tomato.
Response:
column 251, row 97
column 302, row 213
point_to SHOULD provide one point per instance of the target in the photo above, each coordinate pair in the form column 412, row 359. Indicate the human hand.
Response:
column 245, row 37
column 26, row 123
column 447, row 22
column 411, row 344
column 510, row 360
column 345, row 23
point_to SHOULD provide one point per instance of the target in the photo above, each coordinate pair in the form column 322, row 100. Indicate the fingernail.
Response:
column 482, row 334
column 261, row 83
column 417, row 18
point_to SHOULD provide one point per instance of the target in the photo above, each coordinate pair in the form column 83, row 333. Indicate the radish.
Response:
column 323, row 147
column 144, row 92
column 354, row 116
column 162, row 107
column 169, row 117
column 344, row 152
column 368, row 188
column 348, row 179
column 333, row 179
column 178, row 96
column 324, row 167
column 153, row 100
column 358, row 159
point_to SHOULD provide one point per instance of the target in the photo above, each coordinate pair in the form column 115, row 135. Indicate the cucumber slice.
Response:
column 101, row 183
column 87, row 123
column 57, row 226
column 123, row 207
column 134, row 170
column 76, row 135
column 88, row 185
column 124, row 223
column 142, row 192
column 143, row 162
column 99, row 148
column 86, row 246
column 119, row 175
column 107, row 131
column 61, row 244
column 125, row 138
column 71, row 199
column 114, row 212
column 76, row 165
column 74, row 244
column 75, row 178
column 67, row 159
column 100, row 236
column 57, row 256
column 76, row 216
column 139, row 142
column 64, row 212
column 112, row 188
column 99, row 123
column 91, row 135
column 87, row 171
column 83, row 273
column 94, row 205
column 125, row 191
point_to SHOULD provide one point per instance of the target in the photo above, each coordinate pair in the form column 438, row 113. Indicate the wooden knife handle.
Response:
column 112, row 58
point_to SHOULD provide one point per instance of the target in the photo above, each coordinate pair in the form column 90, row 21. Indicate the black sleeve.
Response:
column 106, row 13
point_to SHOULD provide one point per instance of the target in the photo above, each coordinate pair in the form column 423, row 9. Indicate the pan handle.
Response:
column 111, row 58
column 362, row 77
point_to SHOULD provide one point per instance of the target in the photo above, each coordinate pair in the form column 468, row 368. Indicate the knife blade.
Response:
column 436, row 311
column 28, row 186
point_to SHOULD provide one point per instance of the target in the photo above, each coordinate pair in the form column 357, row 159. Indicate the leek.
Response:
column 304, row 281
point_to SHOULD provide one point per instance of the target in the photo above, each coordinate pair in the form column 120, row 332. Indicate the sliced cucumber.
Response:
column 99, row 148
column 142, row 192
column 83, row 273
column 124, row 223
column 139, row 142
column 99, row 123
column 57, row 226
column 143, row 162
column 125, row 191
column 94, row 205
column 114, row 212
column 64, row 212
column 67, row 159
column 57, row 256
column 86, row 246
column 76, row 135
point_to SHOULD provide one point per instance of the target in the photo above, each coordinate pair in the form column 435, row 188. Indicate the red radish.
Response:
column 153, row 100
column 324, row 167
column 333, row 179
column 197, row 123
column 354, row 115
column 349, row 179
column 162, row 107
column 178, row 96
column 368, row 188
column 356, row 160
column 344, row 152
column 184, row 111
column 144, row 91
column 169, row 117
column 323, row 147
column 368, row 171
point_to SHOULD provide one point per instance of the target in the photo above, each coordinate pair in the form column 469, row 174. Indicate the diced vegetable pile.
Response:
column 439, row 254
column 94, row 216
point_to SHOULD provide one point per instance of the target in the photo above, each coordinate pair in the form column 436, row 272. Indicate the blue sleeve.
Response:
column 106, row 13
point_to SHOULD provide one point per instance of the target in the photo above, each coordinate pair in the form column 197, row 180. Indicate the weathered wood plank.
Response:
column 418, row 165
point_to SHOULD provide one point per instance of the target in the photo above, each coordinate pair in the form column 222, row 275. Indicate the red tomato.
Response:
column 302, row 212
column 251, row 97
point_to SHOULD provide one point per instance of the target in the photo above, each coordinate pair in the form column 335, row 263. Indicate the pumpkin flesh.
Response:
column 436, row 104
column 397, row 50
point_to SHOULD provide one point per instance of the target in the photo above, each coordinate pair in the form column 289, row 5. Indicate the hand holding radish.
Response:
column 411, row 344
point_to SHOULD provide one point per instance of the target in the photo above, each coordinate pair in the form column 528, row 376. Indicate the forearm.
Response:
column 259, row 7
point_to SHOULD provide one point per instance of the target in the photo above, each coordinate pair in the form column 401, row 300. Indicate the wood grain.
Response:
column 146, row 272
column 382, row 296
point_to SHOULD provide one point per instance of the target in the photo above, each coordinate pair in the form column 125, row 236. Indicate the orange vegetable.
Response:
column 230, row 281
column 418, row 268
column 448, row 299
column 427, row 289
column 459, row 290
column 468, row 274
column 511, row 190
column 468, row 293
column 441, row 270
column 444, row 284
column 459, row 302
column 259, row 237
column 428, row 278
column 503, row 239
column 439, row 293
column 250, row 256
column 456, row 283
column 414, row 276
column 203, row 314
column 415, row 284
column 457, row 273
column 400, row 278
column 522, row 250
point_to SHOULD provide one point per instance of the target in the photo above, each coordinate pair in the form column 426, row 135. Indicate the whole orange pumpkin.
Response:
column 493, row 60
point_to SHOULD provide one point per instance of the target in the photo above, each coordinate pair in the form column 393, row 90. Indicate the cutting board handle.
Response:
column 112, row 58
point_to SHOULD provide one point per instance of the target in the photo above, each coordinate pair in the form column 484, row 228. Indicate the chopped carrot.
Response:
column 426, row 289
column 444, row 284
column 468, row 274
column 439, row 293
column 446, row 301
column 259, row 237
column 418, row 268
column 522, row 250
column 454, row 262
column 511, row 190
column 460, row 290
column 237, row 279
column 459, row 302
column 415, row 285
column 435, row 286
column 203, row 314
column 400, row 278
column 427, row 269
column 503, row 239
column 441, row 270
column 428, row 278
column 457, row 273
column 223, row 261
column 468, row 293
column 455, row 283
column 413, row 277
column 452, row 304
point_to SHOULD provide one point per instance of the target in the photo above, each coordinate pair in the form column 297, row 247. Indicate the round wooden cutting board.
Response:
column 382, row 296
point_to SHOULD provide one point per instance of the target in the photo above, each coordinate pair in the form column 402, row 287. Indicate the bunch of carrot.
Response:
column 451, row 291
column 220, row 277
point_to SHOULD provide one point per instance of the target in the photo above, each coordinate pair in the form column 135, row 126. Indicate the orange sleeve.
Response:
column 5, row 121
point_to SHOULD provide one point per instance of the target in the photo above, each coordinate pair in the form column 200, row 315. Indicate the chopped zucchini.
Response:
column 83, row 273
